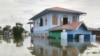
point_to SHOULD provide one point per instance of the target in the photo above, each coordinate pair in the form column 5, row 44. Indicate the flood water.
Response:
column 15, row 46
column 21, row 46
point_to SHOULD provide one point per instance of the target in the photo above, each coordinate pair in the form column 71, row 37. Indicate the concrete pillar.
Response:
column 81, row 38
column 63, row 38
column 93, row 38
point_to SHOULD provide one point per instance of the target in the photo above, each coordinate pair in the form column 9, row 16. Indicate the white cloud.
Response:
column 12, row 11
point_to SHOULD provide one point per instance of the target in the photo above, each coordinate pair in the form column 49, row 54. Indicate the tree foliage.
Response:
column 17, row 31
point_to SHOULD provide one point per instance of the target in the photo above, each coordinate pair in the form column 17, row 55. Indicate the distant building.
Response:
column 7, row 32
column 50, row 27
column 96, row 31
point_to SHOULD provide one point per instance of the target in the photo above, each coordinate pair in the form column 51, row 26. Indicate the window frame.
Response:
column 46, row 20
column 54, row 19
column 41, row 22
column 74, row 19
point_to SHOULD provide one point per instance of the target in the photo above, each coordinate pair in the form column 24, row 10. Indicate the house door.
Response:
column 65, row 20
column 87, row 37
column 70, row 38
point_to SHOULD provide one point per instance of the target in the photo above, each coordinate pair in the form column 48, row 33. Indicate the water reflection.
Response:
column 18, row 45
column 0, row 39
column 18, row 40
column 6, row 39
column 53, row 47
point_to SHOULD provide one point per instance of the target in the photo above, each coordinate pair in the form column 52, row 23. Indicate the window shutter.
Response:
column 54, row 19
column 74, row 19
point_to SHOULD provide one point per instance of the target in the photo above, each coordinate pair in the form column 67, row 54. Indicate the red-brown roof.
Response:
column 70, row 26
column 56, row 9
column 59, row 9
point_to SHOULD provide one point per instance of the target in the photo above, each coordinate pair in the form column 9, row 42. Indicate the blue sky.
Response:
column 12, row 11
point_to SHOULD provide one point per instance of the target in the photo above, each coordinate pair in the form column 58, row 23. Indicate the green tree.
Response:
column 0, row 30
column 17, row 30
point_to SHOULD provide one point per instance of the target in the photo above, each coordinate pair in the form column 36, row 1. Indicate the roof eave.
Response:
column 47, row 11
column 40, row 14
column 60, row 29
column 80, row 13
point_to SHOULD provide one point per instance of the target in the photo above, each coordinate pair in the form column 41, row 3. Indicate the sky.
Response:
column 12, row 11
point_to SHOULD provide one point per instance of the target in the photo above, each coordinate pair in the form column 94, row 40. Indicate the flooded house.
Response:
column 58, row 32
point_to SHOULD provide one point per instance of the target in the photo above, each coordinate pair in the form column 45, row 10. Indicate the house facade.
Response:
column 96, row 31
column 50, row 27
column 7, row 32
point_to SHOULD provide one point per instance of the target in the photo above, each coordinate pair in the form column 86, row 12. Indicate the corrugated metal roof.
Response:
column 56, row 9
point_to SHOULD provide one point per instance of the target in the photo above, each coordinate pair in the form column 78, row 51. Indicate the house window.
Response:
column 54, row 19
column 41, row 22
column 64, row 20
column 74, row 19
column 45, row 20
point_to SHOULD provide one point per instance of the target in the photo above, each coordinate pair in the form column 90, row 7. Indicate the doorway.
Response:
column 65, row 20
